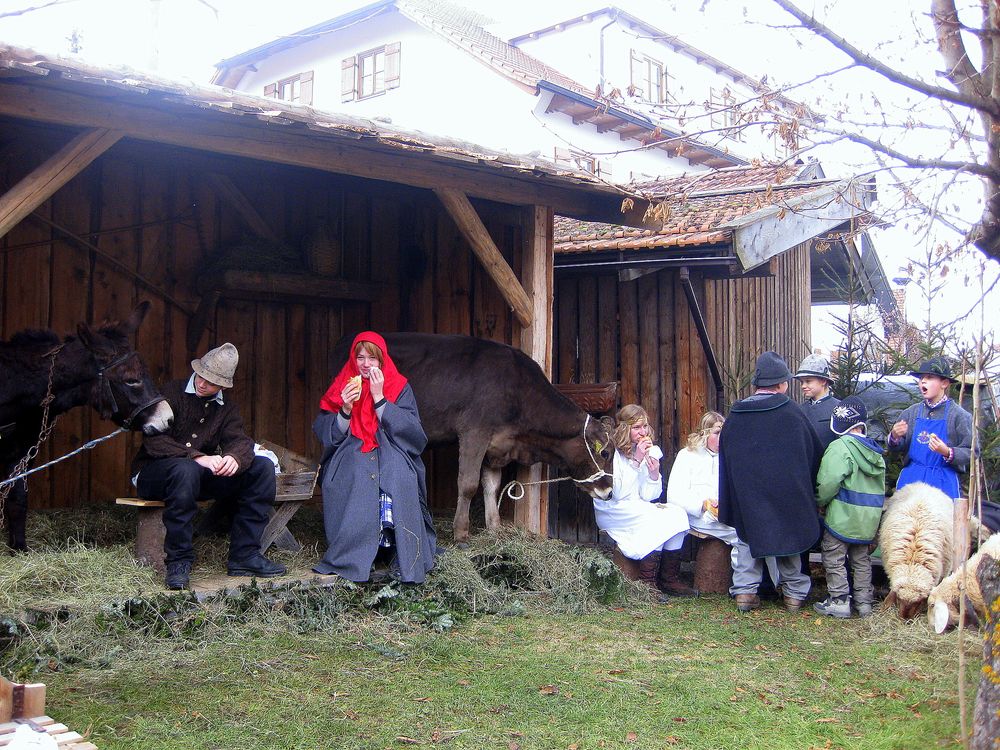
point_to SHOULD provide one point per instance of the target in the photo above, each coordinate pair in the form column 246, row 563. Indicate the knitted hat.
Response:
column 770, row 370
column 814, row 366
column 934, row 366
column 849, row 413
column 218, row 365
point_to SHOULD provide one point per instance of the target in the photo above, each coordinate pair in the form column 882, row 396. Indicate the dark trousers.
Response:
column 180, row 483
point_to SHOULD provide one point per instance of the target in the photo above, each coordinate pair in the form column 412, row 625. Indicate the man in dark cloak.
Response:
column 768, row 458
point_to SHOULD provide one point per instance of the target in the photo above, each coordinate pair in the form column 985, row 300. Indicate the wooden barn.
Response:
column 281, row 229
column 678, row 315
column 263, row 223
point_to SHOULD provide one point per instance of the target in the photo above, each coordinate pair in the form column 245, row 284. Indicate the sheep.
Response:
column 943, row 602
column 917, row 545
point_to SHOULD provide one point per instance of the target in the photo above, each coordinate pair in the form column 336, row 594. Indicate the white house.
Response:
column 604, row 92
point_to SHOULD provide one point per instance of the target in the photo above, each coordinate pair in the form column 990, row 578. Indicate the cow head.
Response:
column 593, row 461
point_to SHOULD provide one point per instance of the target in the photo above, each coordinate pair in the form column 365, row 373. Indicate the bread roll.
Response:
column 355, row 381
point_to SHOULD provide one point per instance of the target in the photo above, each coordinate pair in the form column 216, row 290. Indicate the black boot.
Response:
column 669, row 578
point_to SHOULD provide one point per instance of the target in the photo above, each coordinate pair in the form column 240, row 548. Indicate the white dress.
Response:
column 632, row 519
column 693, row 478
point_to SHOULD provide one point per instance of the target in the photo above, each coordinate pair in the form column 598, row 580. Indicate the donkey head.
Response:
column 592, row 462
column 122, row 390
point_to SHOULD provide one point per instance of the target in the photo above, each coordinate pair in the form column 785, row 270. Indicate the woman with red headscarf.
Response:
column 374, row 492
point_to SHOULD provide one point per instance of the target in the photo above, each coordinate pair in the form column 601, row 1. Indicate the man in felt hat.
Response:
column 207, row 454
column 768, row 457
column 936, row 435
column 815, row 380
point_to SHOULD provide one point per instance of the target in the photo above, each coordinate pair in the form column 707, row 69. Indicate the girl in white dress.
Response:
column 640, row 526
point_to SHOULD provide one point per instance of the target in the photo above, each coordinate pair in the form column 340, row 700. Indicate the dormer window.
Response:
column 649, row 78
column 370, row 73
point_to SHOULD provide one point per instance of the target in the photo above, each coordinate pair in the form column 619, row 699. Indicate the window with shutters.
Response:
column 570, row 157
column 370, row 73
column 724, row 113
column 650, row 80
column 297, row 89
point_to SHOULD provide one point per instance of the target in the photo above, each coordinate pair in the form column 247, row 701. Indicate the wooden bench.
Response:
column 25, row 704
column 295, row 485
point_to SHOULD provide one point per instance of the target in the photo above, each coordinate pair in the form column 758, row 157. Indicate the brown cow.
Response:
column 497, row 404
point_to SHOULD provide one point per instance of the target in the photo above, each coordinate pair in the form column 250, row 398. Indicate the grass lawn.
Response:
column 507, row 646
column 691, row 674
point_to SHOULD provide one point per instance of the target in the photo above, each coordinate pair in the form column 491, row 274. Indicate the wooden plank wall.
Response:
column 642, row 334
column 154, row 210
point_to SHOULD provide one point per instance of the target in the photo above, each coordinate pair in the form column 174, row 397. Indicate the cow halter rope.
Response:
column 514, row 489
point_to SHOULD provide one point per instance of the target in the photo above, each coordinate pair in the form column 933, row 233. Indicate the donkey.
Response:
column 99, row 367
column 496, row 402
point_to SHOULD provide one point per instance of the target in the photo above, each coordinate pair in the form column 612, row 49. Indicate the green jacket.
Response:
column 851, row 486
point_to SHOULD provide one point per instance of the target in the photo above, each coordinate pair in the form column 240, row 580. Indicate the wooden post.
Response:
column 471, row 227
column 986, row 720
column 532, row 511
column 58, row 169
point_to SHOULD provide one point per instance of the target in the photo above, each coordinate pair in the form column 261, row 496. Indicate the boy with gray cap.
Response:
column 815, row 380
column 768, row 457
column 206, row 453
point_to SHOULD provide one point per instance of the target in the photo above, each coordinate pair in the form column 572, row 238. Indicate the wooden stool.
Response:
column 25, row 704
column 713, row 570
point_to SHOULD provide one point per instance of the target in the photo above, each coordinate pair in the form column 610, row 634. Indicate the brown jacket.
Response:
column 201, row 427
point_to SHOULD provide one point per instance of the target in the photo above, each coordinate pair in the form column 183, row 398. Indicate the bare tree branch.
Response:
column 865, row 60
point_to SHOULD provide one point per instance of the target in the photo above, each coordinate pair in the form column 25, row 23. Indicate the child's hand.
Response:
column 899, row 429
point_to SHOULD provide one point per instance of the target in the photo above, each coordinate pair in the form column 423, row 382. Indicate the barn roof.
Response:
column 145, row 107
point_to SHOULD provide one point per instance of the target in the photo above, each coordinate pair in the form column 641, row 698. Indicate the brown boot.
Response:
column 669, row 578
column 629, row 568
column 648, row 567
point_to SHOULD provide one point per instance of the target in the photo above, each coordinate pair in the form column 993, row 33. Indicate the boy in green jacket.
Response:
column 850, row 490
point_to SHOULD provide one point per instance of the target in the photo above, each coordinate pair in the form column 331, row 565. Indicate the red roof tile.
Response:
column 692, row 218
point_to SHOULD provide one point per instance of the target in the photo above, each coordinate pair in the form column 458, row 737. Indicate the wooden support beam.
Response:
column 532, row 511
column 238, row 201
column 58, row 169
column 471, row 227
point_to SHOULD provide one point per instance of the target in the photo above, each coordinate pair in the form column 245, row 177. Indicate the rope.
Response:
column 515, row 485
column 89, row 445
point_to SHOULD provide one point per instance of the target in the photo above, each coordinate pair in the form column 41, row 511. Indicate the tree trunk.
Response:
column 986, row 722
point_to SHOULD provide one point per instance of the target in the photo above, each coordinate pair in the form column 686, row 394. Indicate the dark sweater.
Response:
column 202, row 426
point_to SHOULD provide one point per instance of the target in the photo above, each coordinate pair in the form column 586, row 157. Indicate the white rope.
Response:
column 90, row 445
column 515, row 485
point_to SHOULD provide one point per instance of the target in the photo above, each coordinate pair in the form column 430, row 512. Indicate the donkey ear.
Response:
column 135, row 319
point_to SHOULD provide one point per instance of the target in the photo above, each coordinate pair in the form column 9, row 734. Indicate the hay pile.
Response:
column 78, row 603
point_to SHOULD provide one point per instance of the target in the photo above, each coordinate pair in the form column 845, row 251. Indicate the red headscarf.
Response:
column 364, row 420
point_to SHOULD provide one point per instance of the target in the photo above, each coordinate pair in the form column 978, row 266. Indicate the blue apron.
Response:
column 925, row 465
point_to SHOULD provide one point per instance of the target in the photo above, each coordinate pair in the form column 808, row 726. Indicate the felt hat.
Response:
column 218, row 365
column 814, row 366
column 934, row 366
column 770, row 370
column 848, row 414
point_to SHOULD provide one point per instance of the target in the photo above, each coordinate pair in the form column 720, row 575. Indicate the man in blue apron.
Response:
column 936, row 434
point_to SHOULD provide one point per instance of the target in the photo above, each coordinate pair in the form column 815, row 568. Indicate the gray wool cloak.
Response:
column 350, row 481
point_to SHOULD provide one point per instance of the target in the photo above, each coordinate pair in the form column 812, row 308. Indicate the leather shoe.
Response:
column 178, row 575
column 792, row 604
column 258, row 566
column 747, row 602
